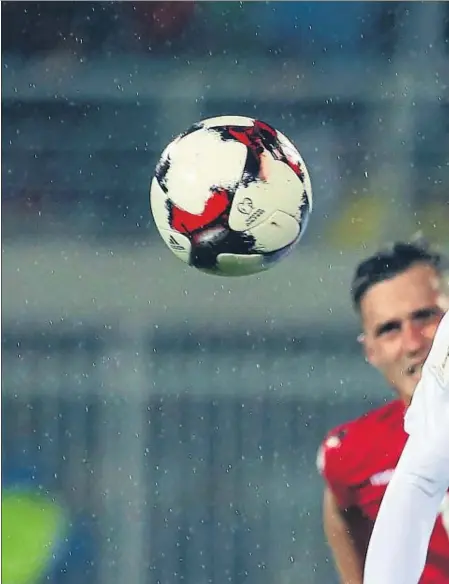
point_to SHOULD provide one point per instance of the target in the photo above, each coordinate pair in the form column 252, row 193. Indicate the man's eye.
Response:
column 388, row 328
column 427, row 314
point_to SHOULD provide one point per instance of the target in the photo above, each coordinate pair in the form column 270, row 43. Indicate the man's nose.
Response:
column 413, row 337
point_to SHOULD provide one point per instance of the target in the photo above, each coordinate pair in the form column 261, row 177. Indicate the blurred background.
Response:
column 169, row 419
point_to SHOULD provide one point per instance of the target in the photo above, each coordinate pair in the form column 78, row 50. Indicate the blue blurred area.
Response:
column 148, row 26
column 316, row 26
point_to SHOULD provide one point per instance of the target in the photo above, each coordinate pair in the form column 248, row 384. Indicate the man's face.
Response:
column 400, row 317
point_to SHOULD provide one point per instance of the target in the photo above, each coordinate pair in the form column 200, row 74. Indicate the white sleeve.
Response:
column 398, row 547
column 430, row 403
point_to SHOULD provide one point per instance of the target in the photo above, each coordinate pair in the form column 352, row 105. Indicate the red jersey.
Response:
column 357, row 460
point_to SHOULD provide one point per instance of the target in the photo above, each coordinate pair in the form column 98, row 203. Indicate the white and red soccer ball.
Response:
column 231, row 196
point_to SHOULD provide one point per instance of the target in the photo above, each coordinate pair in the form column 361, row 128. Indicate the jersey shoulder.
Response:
column 345, row 447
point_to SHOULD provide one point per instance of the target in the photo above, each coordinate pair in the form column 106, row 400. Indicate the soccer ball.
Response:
column 231, row 196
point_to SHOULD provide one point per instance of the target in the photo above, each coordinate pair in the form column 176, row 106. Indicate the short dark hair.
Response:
column 388, row 263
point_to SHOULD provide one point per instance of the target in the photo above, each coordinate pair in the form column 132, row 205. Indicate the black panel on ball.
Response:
column 208, row 244
column 161, row 171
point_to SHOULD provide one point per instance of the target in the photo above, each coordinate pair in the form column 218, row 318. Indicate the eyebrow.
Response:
column 394, row 323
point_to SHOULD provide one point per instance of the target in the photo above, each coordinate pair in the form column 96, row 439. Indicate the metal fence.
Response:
column 187, row 458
